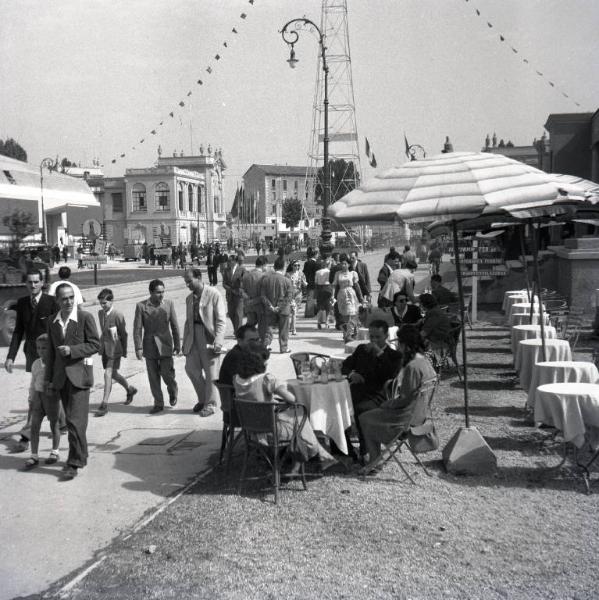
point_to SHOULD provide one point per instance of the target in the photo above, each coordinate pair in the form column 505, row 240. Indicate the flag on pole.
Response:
column 407, row 145
column 370, row 154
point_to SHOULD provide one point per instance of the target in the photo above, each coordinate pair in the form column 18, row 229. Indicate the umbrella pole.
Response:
column 535, row 254
column 458, row 270
column 523, row 251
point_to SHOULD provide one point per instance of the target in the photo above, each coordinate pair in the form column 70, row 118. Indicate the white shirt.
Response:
column 64, row 324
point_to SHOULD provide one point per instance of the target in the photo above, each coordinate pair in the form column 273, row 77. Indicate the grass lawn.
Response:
column 522, row 532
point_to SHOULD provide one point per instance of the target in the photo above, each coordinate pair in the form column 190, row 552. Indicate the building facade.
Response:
column 180, row 198
column 271, row 185
column 536, row 155
column 67, row 201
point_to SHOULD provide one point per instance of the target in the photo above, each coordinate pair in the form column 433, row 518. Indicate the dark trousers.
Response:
column 235, row 311
column 161, row 367
column 76, row 408
column 364, row 399
column 269, row 323
column 212, row 275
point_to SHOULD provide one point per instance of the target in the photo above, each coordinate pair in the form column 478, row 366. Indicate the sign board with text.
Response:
column 100, row 246
column 94, row 260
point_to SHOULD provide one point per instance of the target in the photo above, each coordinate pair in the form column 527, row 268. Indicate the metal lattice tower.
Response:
column 343, row 131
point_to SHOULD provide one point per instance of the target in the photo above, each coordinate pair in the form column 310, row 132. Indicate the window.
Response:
column 162, row 197
column 295, row 186
column 117, row 202
column 181, row 206
column 284, row 185
column 273, row 183
column 190, row 197
column 201, row 201
column 139, row 198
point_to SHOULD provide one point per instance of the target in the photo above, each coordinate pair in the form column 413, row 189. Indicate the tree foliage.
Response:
column 292, row 212
column 20, row 223
column 13, row 149
column 343, row 180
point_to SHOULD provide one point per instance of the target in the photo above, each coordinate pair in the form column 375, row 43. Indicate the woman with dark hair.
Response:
column 404, row 313
column 436, row 326
column 382, row 424
column 349, row 297
column 252, row 382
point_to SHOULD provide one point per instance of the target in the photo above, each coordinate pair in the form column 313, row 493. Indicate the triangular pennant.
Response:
column 181, row 103
column 489, row 24
column 478, row 12
column 539, row 73
column 502, row 38
column 209, row 69
column 243, row 15
column 172, row 114
column 251, row 1
column 122, row 156
column 525, row 60
column 153, row 132
column 113, row 160
column 551, row 84
column 373, row 161
column 161, row 122
column 225, row 44
column 234, row 30
column 200, row 82
column 514, row 50
column 142, row 140
column 188, row 94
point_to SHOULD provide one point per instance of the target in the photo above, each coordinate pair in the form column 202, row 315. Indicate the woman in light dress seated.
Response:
column 253, row 383
column 382, row 424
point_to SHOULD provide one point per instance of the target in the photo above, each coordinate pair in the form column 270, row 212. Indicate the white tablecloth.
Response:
column 573, row 408
column 522, row 308
column 531, row 353
column 527, row 332
column 511, row 297
column 524, row 319
column 560, row 372
column 329, row 406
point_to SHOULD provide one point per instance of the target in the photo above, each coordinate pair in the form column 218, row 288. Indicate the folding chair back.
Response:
column 299, row 358
column 230, row 420
column 259, row 425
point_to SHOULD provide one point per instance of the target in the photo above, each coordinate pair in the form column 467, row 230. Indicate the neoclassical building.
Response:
column 180, row 197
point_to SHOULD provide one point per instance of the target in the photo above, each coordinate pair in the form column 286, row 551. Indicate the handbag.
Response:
column 423, row 438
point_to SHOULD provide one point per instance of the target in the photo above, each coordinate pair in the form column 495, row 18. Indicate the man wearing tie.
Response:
column 33, row 312
column 69, row 371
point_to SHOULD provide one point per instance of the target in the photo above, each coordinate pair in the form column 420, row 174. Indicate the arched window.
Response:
column 181, row 206
column 139, row 198
column 190, row 197
column 201, row 200
column 162, row 197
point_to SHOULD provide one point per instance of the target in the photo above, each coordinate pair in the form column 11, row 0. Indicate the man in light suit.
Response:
column 155, row 319
column 232, row 278
column 203, row 337
column 69, row 370
column 33, row 312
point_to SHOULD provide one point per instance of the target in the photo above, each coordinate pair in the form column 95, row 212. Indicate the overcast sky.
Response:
column 85, row 79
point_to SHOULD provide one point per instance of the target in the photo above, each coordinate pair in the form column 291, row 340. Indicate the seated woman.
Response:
column 436, row 326
column 382, row 424
column 253, row 383
column 404, row 313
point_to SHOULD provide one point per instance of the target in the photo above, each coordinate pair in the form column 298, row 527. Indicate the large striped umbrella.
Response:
column 451, row 187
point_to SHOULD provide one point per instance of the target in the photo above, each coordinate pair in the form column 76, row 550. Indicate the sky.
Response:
column 90, row 79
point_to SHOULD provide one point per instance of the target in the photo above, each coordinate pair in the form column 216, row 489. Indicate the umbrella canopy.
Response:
column 455, row 185
column 573, row 185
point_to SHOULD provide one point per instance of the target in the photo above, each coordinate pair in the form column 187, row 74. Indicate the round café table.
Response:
column 527, row 332
column 522, row 308
column 512, row 297
column 531, row 353
column 572, row 408
column 329, row 407
column 560, row 372
column 524, row 319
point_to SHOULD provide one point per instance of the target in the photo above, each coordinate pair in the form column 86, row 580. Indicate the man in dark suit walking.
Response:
column 69, row 371
column 155, row 319
column 33, row 312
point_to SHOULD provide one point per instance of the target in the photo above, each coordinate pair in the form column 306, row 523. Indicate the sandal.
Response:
column 31, row 463
column 102, row 410
column 53, row 458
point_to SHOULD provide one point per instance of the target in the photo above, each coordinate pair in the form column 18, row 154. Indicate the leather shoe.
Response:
column 207, row 411
column 172, row 401
column 131, row 391
column 156, row 409
column 69, row 472
column 198, row 407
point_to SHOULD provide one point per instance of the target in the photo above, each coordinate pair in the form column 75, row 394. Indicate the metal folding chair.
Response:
column 259, row 425
column 230, row 421
column 421, row 423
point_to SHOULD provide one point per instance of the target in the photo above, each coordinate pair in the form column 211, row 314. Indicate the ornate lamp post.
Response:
column 290, row 34
column 50, row 164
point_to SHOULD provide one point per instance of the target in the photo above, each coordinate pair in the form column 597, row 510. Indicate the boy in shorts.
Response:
column 113, row 346
column 42, row 404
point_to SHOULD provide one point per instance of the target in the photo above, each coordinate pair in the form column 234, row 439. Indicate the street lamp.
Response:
column 290, row 37
column 50, row 164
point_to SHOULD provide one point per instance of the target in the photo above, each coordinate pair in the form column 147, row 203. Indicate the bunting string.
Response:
column 181, row 104
column 514, row 50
